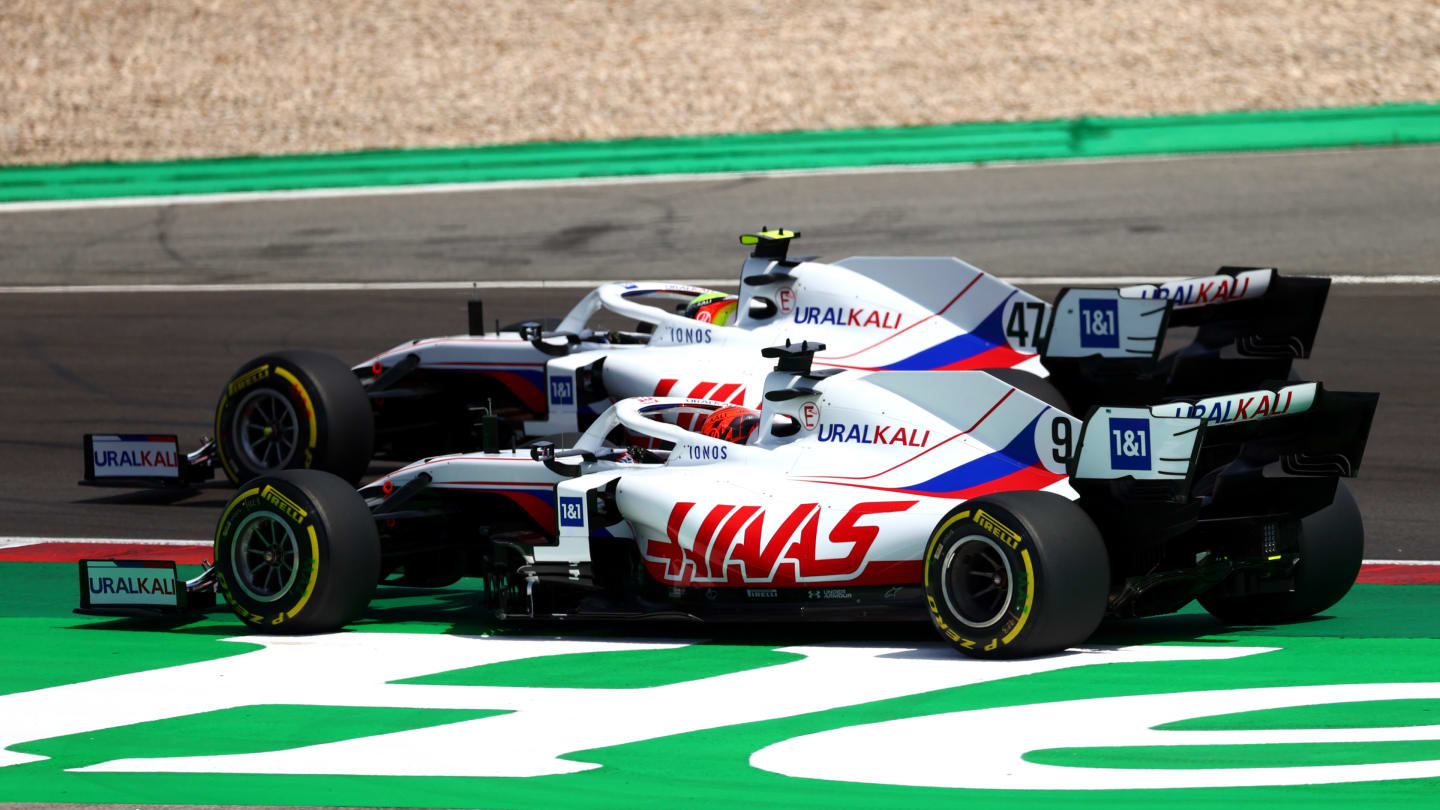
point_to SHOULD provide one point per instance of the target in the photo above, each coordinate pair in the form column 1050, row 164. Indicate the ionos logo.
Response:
column 995, row 527
column 541, row 729
column 250, row 378
column 686, row 335
column 284, row 504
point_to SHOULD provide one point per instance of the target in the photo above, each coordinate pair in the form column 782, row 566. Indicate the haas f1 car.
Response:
column 847, row 495
column 299, row 409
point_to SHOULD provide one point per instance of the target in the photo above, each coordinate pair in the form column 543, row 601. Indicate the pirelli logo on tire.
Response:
column 248, row 379
column 284, row 504
column 1002, row 532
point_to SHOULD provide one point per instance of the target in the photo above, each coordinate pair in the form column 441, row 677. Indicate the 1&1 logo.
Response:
column 1129, row 444
column 1099, row 324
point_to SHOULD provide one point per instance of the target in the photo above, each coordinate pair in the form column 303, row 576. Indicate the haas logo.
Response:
column 731, row 546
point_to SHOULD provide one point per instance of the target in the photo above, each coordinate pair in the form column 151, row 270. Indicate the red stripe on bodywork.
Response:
column 1024, row 479
column 998, row 357
column 1027, row 478
column 536, row 507
column 529, row 395
column 723, row 392
column 72, row 552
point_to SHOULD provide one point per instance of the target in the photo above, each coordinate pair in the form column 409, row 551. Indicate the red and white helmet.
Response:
column 733, row 424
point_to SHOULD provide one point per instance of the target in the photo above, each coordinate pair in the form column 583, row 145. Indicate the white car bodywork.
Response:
column 849, row 497
column 872, row 313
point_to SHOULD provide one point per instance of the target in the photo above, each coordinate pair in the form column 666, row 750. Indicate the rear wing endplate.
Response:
column 1104, row 345
column 1306, row 430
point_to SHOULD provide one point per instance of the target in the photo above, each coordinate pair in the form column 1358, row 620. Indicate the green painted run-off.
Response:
column 956, row 143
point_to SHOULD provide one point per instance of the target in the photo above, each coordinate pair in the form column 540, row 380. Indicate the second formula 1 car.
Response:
column 848, row 495
column 301, row 409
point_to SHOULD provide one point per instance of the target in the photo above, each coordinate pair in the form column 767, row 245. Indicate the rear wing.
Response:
column 1105, row 344
column 1272, row 451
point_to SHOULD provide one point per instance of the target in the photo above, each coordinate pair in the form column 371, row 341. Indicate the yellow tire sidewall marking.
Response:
column 220, row 440
column 1029, row 597
column 220, row 577
column 246, row 380
column 314, row 573
column 925, row 573
column 309, row 410
column 234, row 502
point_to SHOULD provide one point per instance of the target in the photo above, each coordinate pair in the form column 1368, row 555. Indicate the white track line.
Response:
column 577, row 284
column 630, row 180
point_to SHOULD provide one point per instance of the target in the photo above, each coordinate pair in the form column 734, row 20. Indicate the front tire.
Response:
column 294, row 410
column 1016, row 574
column 1332, row 547
column 297, row 552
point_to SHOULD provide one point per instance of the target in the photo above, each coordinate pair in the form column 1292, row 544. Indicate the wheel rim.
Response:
column 265, row 557
column 267, row 430
column 978, row 582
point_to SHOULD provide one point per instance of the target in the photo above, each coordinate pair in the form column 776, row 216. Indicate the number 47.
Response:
column 1027, row 330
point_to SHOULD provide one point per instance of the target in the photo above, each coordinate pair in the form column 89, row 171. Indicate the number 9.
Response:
column 1060, row 434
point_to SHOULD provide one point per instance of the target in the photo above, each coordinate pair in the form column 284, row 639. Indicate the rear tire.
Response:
column 297, row 552
column 1332, row 546
column 1016, row 574
column 294, row 410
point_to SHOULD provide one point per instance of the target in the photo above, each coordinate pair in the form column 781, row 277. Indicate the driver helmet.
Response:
column 712, row 307
column 733, row 424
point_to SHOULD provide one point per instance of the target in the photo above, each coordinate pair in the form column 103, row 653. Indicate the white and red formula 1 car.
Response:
column 848, row 495
column 298, row 409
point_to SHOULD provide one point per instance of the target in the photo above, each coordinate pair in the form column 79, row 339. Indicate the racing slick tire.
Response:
column 297, row 552
column 1016, row 574
column 294, row 410
column 1034, row 385
column 1332, row 546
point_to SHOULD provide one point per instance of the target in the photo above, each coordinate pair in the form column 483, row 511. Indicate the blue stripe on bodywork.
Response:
column 1017, row 455
column 987, row 335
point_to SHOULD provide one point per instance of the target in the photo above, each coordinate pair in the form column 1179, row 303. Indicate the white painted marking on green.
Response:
column 992, row 743
column 544, row 724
